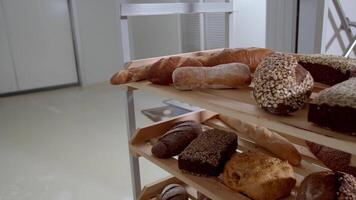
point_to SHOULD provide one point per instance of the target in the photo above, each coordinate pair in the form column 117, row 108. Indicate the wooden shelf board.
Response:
column 239, row 104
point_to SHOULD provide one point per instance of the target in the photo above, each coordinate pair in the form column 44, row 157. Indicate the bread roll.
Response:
column 233, row 75
column 281, row 85
column 265, row 138
column 176, row 139
column 259, row 176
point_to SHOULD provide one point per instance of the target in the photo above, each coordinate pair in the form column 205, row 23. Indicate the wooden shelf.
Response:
column 212, row 187
column 239, row 104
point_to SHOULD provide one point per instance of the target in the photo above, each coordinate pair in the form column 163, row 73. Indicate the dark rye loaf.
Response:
column 208, row 153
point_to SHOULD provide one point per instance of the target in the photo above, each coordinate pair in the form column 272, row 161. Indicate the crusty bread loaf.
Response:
column 232, row 75
column 133, row 74
column 249, row 56
column 259, row 176
column 265, row 138
column 160, row 72
column 176, row 139
column 318, row 186
column 327, row 185
column 281, row 85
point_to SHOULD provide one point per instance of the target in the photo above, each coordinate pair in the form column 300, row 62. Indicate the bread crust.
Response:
column 281, row 85
column 161, row 71
column 232, row 75
column 259, row 176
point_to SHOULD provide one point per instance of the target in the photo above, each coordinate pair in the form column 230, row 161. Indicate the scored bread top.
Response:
column 338, row 62
column 342, row 94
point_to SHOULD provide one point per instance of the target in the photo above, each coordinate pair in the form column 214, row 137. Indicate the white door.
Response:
column 41, row 42
column 7, row 71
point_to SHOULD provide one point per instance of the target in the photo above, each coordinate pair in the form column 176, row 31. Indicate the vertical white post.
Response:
column 230, row 25
column 202, row 29
column 125, row 40
column 129, row 104
column 321, row 16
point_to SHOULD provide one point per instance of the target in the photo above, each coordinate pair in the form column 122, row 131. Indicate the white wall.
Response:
column 336, row 40
column 100, row 46
column 281, row 25
column 153, row 36
column 251, row 23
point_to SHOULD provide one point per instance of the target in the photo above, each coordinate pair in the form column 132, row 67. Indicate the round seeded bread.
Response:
column 281, row 85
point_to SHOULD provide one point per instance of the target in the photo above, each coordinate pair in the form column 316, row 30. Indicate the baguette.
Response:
column 267, row 139
column 160, row 72
column 232, row 75
column 249, row 56
column 128, row 75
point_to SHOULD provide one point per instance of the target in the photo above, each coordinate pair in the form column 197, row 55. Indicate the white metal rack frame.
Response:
column 346, row 24
column 127, row 10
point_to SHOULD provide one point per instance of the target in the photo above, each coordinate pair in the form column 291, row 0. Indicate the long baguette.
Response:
column 265, row 138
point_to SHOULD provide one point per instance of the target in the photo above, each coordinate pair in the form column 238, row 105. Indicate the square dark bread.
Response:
column 208, row 153
column 335, row 107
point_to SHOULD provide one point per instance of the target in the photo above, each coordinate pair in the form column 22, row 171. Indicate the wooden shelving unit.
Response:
column 236, row 103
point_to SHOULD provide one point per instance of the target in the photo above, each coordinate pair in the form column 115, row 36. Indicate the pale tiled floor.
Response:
column 69, row 144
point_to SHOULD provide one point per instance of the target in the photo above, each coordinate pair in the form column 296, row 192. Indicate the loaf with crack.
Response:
column 281, row 85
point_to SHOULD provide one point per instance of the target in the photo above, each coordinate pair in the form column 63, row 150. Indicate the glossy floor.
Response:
column 69, row 144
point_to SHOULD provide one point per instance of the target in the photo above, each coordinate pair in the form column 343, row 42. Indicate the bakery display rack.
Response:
column 233, row 103
column 236, row 104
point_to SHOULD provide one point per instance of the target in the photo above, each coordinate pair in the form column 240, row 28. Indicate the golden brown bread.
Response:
column 160, row 72
column 265, row 138
column 232, row 75
column 249, row 56
column 134, row 74
column 259, row 176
